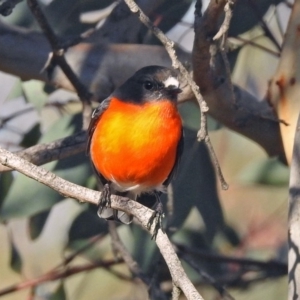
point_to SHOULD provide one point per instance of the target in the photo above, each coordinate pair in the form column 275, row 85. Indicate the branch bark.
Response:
column 99, row 68
column 241, row 112
column 82, row 194
column 43, row 153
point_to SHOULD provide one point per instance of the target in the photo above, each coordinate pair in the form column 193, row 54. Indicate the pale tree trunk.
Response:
column 294, row 221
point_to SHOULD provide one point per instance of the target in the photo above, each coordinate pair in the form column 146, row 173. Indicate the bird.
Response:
column 135, row 139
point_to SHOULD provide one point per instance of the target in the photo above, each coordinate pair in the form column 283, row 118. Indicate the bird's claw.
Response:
column 156, row 217
column 104, row 198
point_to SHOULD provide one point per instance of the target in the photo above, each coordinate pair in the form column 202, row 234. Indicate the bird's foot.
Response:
column 156, row 217
column 104, row 198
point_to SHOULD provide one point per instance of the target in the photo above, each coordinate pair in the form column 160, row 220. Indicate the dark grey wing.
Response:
column 180, row 147
column 94, row 120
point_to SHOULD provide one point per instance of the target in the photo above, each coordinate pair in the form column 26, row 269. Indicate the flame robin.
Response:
column 135, row 138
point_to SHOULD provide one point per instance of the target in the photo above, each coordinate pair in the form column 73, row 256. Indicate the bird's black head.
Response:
column 151, row 83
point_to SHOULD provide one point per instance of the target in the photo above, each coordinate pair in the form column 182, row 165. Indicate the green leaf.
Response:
column 271, row 172
column 15, row 259
column 195, row 186
column 36, row 224
column 247, row 14
column 87, row 224
column 59, row 294
column 6, row 179
column 34, row 93
column 27, row 197
column 31, row 137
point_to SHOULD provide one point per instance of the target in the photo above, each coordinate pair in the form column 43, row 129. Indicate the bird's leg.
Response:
column 157, row 217
column 104, row 198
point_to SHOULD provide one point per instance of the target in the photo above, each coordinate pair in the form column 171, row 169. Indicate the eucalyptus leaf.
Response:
column 15, row 259
column 31, row 137
column 6, row 179
column 59, row 294
column 27, row 197
column 86, row 225
column 34, row 93
column 195, row 185
column 247, row 14
column 36, row 224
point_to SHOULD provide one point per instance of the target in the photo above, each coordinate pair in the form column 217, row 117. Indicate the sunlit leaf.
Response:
column 34, row 93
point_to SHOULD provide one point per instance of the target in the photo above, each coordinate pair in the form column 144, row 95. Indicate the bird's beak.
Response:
column 174, row 90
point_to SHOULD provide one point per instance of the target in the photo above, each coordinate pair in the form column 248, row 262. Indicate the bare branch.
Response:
column 225, row 26
column 155, row 291
column 43, row 153
column 264, row 25
column 247, row 115
column 169, row 45
column 82, row 194
column 57, row 274
column 257, row 45
column 99, row 68
column 59, row 58
column 121, row 26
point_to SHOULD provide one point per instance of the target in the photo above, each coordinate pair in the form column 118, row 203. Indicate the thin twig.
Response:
column 264, row 25
column 225, row 26
column 252, row 43
column 58, row 274
column 91, row 242
column 59, row 58
column 133, row 266
column 82, row 194
column 253, row 264
column 175, row 292
column 118, row 245
column 171, row 51
column 223, row 33
column 169, row 46
column 220, row 288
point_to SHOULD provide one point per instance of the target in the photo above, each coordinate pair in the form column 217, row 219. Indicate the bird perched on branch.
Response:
column 135, row 139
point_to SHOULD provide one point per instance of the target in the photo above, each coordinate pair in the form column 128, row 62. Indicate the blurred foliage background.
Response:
column 39, row 228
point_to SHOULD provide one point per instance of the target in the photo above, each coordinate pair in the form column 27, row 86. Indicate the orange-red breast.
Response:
column 135, row 137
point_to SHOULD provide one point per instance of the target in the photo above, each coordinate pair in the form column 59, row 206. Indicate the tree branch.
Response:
column 57, row 274
column 57, row 56
column 82, row 194
column 247, row 115
column 99, row 68
column 43, row 153
column 154, row 289
column 169, row 46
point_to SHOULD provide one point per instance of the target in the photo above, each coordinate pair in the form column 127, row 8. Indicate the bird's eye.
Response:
column 148, row 85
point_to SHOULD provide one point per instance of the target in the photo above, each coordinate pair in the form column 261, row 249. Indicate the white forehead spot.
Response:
column 171, row 81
